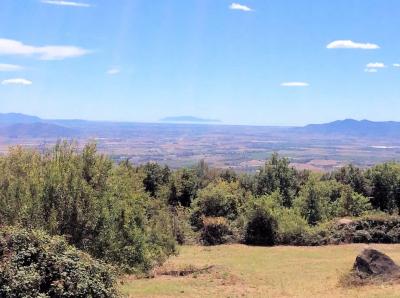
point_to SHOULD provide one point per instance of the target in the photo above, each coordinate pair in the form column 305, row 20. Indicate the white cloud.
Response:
column 396, row 65
column 295, row 84
column 14, row 47
column 375, row 65
column 349, row 44
column 237, row 6
column 16, row 81
column 10, row 67
column 113, row 71
column 66, row 3
column 371, row 70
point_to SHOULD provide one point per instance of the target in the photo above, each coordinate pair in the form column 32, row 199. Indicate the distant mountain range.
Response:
column 14, row 118
column 350, row 127
column 189, row 119
column 14, row 125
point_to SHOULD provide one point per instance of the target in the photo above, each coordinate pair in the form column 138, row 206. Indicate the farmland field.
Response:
column 239, row 147
column 244, row 271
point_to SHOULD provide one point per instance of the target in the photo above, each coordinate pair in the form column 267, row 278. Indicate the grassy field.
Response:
column 243, row 271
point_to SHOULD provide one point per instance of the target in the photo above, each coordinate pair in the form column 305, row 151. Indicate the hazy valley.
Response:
column 319, row 147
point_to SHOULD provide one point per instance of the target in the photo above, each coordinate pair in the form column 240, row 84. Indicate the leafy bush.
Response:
column 261, row 226
column 318, row 200
column 220, row 199
column 182, row 228
column 352, row 203
column 215, row 231
column 316, row 236
column 291, row 227
column 33, row 264
column 136, row 234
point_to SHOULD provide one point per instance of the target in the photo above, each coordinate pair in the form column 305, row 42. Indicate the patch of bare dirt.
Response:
column 183, row 271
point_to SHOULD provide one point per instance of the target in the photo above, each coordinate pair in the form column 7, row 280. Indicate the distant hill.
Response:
column 190, row 119
column 25, row 126
column 353, row 127
column 37, row 130
column 14, row 118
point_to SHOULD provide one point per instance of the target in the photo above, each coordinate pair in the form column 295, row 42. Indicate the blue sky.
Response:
column 263, row 62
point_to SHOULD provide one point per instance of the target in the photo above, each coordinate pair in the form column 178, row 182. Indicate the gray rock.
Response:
column 372, row 263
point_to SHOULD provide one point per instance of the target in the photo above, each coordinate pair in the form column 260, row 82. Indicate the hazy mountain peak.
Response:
column 355, row 128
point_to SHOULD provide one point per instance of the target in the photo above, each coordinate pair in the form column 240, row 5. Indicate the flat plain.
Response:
column 242, row 148
column 245, row 271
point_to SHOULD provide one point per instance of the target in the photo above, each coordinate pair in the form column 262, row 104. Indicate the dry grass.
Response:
column 243, row 271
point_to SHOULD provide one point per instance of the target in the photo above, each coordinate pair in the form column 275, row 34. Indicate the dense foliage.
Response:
column 99, row 207
column 33, row 264
column 261, row 226
column 132, row 216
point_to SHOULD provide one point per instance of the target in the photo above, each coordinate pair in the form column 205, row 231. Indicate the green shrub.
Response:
column 291, row 226
column 100, row 207
column 315, row 236
column 182, row 228
column 33, row 264
column 352, row 203
column 266, row 215
column 318, row 200
column 220, row 199
column 261, row 227
column 215, row 231
column 136, row 235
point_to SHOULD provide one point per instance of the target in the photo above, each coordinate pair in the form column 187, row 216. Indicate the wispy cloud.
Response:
column 375, row 65
column 113, row 71
column 65, row 3
column 349, row 44
column 17, row 81
column 52, row 52
column 295, row 84
column 10, row 67
column 396, row 65
column 237, row 6
column 371, row 70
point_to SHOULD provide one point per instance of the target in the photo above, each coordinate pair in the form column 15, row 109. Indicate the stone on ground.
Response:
column 371, row 263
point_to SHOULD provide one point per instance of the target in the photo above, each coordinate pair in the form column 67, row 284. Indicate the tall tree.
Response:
column 385, row 186
column 277, row 174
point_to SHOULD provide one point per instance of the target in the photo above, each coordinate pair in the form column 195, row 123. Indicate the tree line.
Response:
column 133, row 216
